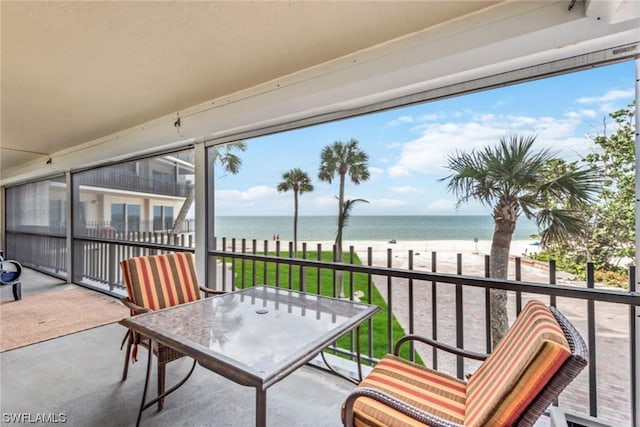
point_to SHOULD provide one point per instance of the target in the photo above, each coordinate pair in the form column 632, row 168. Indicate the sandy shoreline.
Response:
column 472, row 253
column 483, row 247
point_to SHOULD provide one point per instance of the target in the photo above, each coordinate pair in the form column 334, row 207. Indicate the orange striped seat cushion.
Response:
column 520, row 366
column 161, row 281
column 434, row 392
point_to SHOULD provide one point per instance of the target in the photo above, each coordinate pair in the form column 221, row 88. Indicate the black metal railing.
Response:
column 96, row 261
column 41, row 248
column 132, row 230
column 454, row 308
column 424, row 296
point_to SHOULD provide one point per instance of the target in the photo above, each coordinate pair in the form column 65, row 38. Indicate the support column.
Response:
column 634, row 312
column 72, row 194
column 200, row 232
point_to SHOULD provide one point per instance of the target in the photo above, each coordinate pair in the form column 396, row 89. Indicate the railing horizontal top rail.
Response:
column 605, row 295
column 145, row 245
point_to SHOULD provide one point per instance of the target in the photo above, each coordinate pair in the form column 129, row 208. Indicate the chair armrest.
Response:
column 211, row 291
column 439, row 345
column 135, row 308
column 390, row 401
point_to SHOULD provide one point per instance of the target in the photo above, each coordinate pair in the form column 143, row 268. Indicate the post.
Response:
column 635, row 411
column 200, row 229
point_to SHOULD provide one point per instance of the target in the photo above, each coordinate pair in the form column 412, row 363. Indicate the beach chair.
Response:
column 10, row 272
column 540, row 355
column 153, row 283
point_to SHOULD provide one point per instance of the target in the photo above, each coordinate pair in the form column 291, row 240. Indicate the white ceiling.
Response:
column 78, row 76
column 76, row 71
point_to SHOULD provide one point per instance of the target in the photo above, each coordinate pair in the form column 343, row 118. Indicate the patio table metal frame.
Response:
column 255, row 336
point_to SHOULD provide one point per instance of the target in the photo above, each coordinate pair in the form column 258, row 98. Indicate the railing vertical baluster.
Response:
column 335, row 273
column 459, row 319
column 233, row 265
column 591, row 322
column 224, row 264
column 389, row 303
column 318, row 270
column 243, row 263
column 487, row 305
column 434, row 310
column 350, row 294
column 291, row 267
column 518, row 279
column 254, row 251
column 264, row 263
column 411, row 309
column 552, row 280
column 633, row 348
column 302, row 278
column 369, row 298
column 277, row 264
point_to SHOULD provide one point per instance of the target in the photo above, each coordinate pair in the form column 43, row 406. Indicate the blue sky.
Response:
column 408, row 147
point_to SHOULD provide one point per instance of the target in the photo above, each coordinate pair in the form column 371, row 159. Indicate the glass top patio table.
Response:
column 255, row 336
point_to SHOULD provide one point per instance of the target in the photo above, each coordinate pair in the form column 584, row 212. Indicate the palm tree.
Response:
column 345, row 215
column 512, row 180
column 343, row 159
column 229, row 161
column 299, row 182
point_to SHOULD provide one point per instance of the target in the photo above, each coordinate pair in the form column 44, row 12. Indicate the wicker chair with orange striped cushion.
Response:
column 153, row 283
column 540, row 355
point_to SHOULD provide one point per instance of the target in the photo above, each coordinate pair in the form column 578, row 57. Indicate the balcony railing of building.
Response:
column 154, row 230
column 452, row 307
column 107, row 178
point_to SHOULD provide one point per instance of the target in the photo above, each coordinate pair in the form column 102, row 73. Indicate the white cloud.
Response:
column 407, row 189
column 589, row 113
column 375, row 173
column 612, row 95
column 246, row 198
column 400, row 120
column 428, row 153
column 432, row 117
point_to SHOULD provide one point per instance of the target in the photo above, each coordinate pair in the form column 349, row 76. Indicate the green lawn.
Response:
column 325, row 286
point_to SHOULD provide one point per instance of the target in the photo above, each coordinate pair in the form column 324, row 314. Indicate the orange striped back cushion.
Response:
column 161, row 281
column 521, row 365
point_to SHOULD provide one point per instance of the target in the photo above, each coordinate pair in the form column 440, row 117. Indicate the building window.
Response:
column 118, row 217
column 125, row 218
column 133, row 218
column 162, row 218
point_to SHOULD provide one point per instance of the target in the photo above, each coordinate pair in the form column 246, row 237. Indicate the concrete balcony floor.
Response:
column 79, row 376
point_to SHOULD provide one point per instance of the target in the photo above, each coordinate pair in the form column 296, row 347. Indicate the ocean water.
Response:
column 320, row 228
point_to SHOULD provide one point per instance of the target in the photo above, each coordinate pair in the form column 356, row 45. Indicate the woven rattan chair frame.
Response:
column 15, row 282
column 562, row 378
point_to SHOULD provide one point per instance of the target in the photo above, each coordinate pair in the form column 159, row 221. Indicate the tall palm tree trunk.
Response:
column 505, row 224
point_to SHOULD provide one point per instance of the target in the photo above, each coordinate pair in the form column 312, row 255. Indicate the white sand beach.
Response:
column 473, row 255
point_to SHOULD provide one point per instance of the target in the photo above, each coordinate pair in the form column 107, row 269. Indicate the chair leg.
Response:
column 17, row 291
column 161, row 376
column 127, row 354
